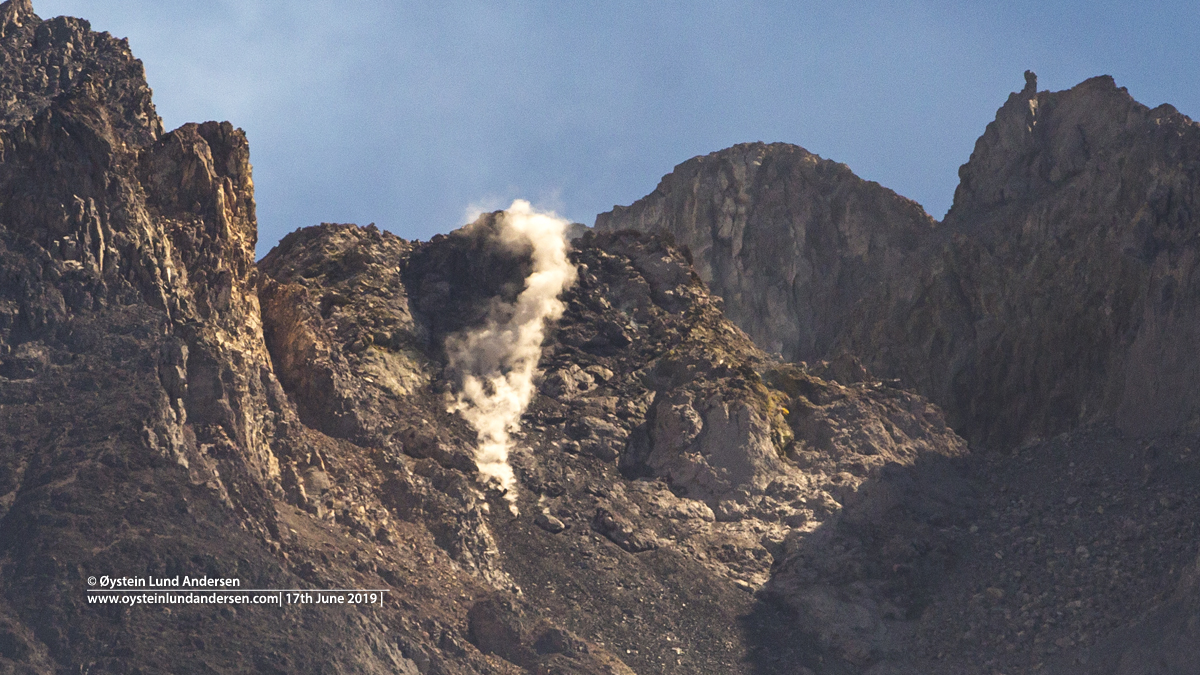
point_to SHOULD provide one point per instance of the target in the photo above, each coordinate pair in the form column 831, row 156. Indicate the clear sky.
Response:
column 413, row 114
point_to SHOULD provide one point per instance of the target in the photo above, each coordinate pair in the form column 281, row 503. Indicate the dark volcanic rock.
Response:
column 1059, row 294
column 631, row 513
column 687, row 501
column 1060, row 289
column 144, row 431
column 62, row 56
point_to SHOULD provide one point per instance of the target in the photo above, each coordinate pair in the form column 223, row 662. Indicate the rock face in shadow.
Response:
column 1160, row 642
column 1059, row 294
column 1060, row 289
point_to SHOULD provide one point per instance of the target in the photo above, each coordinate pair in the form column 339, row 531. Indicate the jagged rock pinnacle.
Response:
column 15, row 12
column 1030, row 83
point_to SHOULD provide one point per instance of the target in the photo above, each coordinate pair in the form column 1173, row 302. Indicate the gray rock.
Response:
column 549, row 523
column 622, row 532
column 598, row 437
column 789, row 240
column 814, row 262
column 568, row 382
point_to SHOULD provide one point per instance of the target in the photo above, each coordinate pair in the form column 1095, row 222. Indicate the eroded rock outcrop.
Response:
column 690, row 502
column 789, row 240
column 1059, row 290
column 1059, row 294
column 143, row 427
column 1061, row 287
column 664, row 452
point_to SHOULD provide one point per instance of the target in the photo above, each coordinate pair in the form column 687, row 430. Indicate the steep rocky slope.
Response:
column 138, row 406
column 789, row 240
column 1060, row 289
column 169, row 407
column 1071, row 253
column 1057, row 299
column 666, row 462
column 683, row 501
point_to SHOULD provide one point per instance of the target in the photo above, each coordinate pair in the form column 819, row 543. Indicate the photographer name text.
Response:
column 177, row 581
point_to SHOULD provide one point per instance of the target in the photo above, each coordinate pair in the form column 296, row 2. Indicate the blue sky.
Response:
column 410, row 115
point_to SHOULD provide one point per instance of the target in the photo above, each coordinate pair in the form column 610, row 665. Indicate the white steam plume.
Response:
column 498, row 361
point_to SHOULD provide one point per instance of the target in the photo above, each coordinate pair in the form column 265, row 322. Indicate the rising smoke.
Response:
column 498, row 361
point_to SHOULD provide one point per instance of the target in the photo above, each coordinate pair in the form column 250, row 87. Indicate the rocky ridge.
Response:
column 1058, row 291
column 168, row 406
column 689, row 502
column 628, row 450
column 1055, row 301
column 787, row 239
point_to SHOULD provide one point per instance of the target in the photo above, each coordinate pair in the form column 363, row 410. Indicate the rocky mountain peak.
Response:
column 1056, row 300
column 687, row 495
column 1080, row 184
column 1085, row 183
column 788, row 239
column 14, row 14
column 292, row 423
column 63, row 57
column 1040, row 141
